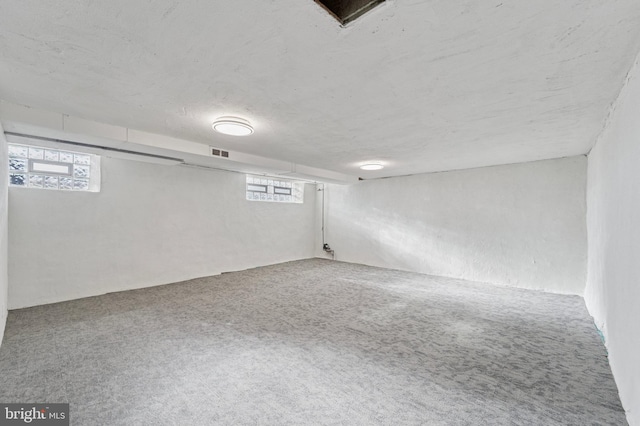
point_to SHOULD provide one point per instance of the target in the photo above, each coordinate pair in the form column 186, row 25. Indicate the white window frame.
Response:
column 275, row 190
column 33, row 177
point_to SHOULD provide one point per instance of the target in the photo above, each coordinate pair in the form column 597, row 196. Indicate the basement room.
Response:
column 320, row 212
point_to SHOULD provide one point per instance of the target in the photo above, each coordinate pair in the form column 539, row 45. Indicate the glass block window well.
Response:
column 260, row 188
column 46, row 168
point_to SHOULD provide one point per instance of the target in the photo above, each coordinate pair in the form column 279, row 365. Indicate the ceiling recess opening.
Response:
column 346, row 11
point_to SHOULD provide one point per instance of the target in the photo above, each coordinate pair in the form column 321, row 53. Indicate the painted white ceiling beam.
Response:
column 45, row 124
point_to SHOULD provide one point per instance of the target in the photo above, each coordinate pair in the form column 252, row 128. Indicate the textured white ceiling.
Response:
column 421, row 85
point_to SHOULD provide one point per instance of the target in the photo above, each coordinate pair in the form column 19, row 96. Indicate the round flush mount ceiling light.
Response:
column 233, row 126
column 376, row 165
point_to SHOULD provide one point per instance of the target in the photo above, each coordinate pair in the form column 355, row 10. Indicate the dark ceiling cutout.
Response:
column 346, row 11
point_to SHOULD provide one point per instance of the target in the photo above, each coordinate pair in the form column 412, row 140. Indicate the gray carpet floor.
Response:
column 314, row 342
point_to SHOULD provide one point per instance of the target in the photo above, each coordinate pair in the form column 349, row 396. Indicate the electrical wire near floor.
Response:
column 325, row 246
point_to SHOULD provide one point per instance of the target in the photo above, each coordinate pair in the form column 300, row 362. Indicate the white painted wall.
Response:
column 518, row 225
column 613, row 222
column 149, row 225
column 3, row 233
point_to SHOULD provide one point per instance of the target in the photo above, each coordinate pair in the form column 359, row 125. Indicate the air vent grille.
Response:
column 217, row 152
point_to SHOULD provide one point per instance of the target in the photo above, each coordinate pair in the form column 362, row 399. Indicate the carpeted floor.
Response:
column 314, row 342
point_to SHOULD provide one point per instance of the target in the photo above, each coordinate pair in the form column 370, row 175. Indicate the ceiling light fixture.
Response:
column 233, row 126
column 372, row 166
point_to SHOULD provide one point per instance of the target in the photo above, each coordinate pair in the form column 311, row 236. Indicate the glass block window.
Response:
column 46, row 168
column 260, row 188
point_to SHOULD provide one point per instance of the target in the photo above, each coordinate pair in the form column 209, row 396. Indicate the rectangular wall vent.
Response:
column 217, row 152
column 346, row 11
